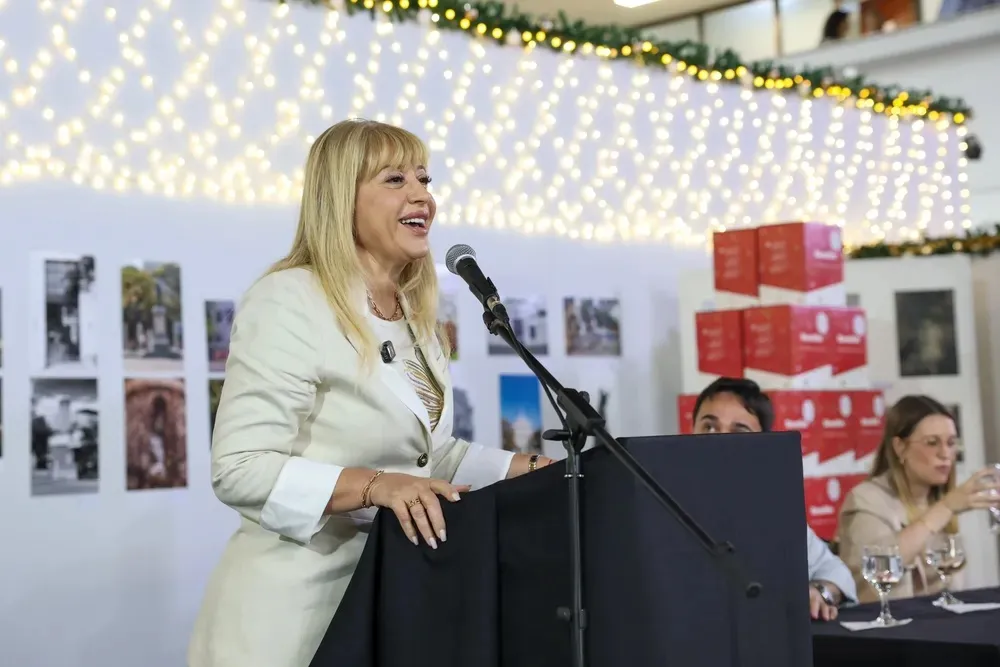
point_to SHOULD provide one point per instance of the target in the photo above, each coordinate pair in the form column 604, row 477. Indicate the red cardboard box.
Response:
column 735, row 265
column 869, row 422
column 824, row 497
column 850, row 354
column 838, row 419
column 801, row 263
column 788, row 347
column 719, row 336
column 798, row 411
column 685, row 413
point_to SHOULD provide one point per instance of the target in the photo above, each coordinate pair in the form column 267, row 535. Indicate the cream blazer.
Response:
column 871, row 514
column 296, row 409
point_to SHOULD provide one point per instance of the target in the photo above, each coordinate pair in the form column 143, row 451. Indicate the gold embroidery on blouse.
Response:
column 431, row 395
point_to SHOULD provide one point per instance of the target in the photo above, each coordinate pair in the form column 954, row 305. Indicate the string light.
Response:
column 554, row 141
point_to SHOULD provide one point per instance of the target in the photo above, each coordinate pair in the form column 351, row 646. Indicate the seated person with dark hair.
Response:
column 731, row 405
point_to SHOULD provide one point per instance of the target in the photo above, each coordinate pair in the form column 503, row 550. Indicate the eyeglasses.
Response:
column 937, row 441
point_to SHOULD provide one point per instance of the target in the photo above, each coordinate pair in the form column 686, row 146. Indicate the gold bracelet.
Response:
column 533, row 463
column 366, row 493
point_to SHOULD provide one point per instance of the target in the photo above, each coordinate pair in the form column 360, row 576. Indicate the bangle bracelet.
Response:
column 533, row 463
column 366, row 493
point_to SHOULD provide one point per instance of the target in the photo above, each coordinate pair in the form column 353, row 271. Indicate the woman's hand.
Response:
column 978, row 492
column 414, row 501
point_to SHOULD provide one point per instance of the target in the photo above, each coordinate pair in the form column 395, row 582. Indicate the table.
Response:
column 935, row 637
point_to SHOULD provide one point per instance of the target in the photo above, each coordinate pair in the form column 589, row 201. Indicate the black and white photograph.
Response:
column 71, row 314
column 464, row 425
column 152, row 330
column 529, row 321
column 593, row 327
column 1, row 328
column 1, row 418
column 64, row 437
column 853, row 300
column 218, row 325
column 925, row 332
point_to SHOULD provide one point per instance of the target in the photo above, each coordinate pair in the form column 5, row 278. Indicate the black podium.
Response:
column 488, row 596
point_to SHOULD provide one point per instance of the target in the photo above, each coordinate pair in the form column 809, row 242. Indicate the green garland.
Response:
column 977, row 242
column 503, row 24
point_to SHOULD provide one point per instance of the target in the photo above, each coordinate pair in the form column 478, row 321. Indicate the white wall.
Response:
column 986, row 293
column 956, row 58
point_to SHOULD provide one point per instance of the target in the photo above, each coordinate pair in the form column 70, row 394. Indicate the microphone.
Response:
column 461, row 260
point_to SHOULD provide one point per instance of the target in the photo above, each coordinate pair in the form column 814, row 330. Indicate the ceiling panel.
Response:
column 606, row 11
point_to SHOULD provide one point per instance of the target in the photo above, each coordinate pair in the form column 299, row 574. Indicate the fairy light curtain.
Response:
column 220, row 100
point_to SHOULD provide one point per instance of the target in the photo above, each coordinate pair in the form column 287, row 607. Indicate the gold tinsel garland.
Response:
column 975, row 242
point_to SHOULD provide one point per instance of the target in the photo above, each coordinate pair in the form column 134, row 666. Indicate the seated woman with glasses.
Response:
column 911, row 499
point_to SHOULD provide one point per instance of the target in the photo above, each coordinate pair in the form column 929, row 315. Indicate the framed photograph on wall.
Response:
column 65, row 439
column 529, row 320
column 70, row 321
column 925, row 333
column 593, row 327
column 152, row 329
column 155, row 434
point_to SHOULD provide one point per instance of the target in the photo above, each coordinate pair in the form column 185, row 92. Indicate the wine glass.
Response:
column 944, row 552
column 882, row 567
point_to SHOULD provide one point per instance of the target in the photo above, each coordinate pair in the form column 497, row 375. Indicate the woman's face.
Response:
column 393, row 216
column 929, row 453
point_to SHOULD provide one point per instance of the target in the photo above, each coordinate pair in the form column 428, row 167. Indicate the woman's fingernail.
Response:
column 433, row 543
column 415, row 540
column 443, row 535
column 456, row 497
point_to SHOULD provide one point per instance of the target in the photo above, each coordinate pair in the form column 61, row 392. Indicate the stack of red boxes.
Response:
column 784, row 323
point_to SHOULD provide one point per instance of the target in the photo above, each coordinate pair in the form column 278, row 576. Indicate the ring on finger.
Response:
column 413, row 503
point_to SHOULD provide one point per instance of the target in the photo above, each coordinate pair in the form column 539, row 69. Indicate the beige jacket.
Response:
column 872, row 514
column 295, row 411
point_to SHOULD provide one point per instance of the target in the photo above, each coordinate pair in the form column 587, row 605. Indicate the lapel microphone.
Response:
column 387, row 351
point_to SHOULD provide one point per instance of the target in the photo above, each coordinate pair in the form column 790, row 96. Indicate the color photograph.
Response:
column 521, row 414
column 218, row 325
column 1, row 418
column 71, row 314
column 463, row 426
column 925, row 333
column 592, row 327
column 155, row 434
column 448, row 321
column 1, row 329
column 214, row 395
column 529, row 322
column 152, row 332
column 64, row 437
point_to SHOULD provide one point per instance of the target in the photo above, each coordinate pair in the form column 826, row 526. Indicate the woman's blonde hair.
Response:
column 346, row 155
column 900, row 422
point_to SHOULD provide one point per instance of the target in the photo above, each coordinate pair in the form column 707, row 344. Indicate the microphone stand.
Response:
column 582, row 421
